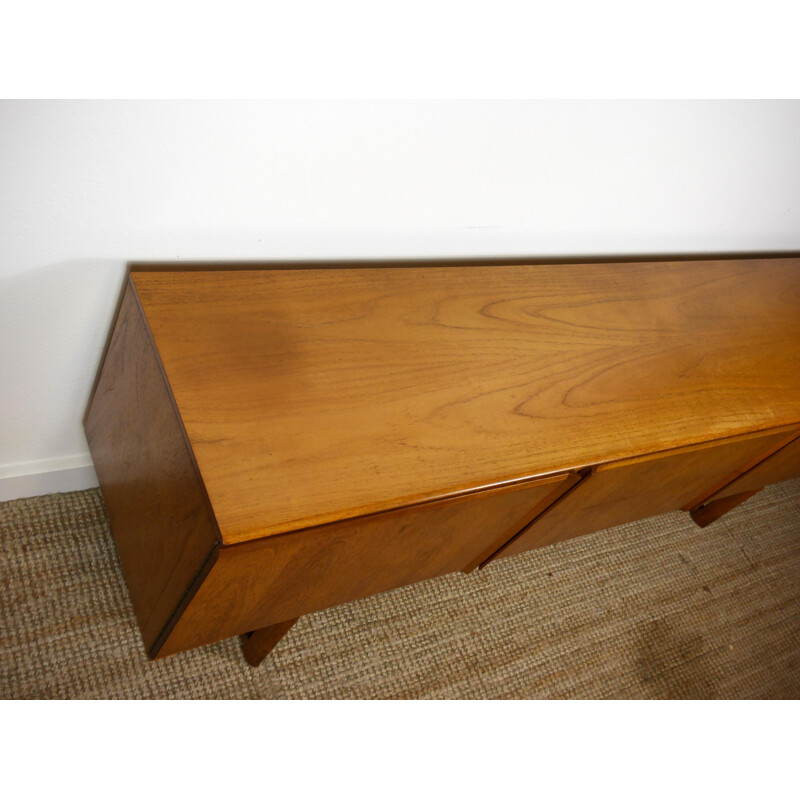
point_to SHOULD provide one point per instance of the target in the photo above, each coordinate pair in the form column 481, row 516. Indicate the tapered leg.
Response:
column 257, row 645
column 705, row 515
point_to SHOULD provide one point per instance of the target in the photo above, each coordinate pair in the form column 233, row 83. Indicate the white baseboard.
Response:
column 45, row 477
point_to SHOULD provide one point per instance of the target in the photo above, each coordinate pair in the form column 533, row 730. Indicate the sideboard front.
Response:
column 632, row 489
column 271, row 442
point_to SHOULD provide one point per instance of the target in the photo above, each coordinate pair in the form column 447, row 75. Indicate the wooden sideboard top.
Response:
column 314, row 395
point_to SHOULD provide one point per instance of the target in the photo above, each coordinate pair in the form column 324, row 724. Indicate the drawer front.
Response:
column 261, row 583
column 628, row 490
column 781, row 466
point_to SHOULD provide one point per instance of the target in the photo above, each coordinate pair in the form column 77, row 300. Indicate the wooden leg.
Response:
column 257, row 645
column 705, row 515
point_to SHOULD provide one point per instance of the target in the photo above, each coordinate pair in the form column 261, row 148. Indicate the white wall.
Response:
column 85, row 187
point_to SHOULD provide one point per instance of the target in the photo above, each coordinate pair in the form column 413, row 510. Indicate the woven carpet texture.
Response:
column 654, row 609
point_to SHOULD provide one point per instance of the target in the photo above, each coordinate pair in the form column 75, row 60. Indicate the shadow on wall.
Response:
column 54, row 323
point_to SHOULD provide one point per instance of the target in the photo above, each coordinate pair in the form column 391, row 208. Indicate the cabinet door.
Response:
column 624, row 491
column 781, row 466
column 256, row 584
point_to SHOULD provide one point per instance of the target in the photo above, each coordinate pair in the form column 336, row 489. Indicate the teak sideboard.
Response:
column 273, row 441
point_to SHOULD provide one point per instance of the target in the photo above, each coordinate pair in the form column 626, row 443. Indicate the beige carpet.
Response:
column 656, row 609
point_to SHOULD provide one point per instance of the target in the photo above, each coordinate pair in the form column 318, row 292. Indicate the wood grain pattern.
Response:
column 311, row 396
column 259, row 584
column 633, row 489
column 160, row 517
column 780, row 466
column 776, row 443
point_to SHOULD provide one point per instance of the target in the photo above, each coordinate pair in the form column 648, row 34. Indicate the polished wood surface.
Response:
column 710, row 512
column 776, row 443
column 781, row 466
column 257, row 645
column 272, row 442
column 160, row 517
column 260, row 584
column 633, row 489
column 311, row 396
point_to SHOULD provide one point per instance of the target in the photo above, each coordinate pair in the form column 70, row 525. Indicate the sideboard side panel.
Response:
column 160, row 517
column 257, row 584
